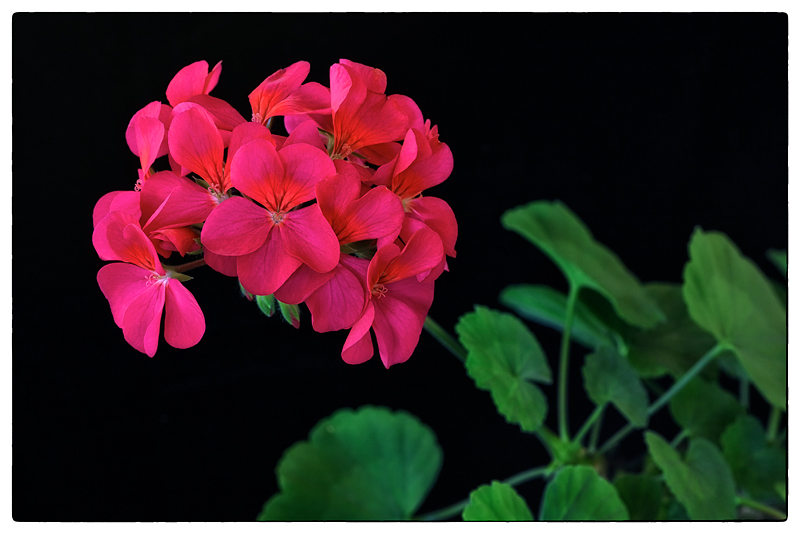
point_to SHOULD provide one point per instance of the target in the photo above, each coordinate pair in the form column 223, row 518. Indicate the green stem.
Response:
column 755, row 505
column 679, row 438
column 595, row 434
column 514, row 480
column 188, row 266
column 443, row 336
column 563, row 368
column 772, row 425
column 666, row 397
column 598, row 411
column 744, row 392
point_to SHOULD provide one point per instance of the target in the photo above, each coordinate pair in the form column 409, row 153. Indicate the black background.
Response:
column 644, row 125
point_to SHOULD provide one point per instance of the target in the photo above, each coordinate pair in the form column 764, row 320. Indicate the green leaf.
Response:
column 578, row 493
column 291, row 313
column 608, row 377
column 498, row 502
column 369, row 464
column 674, row 346
column 704, row 409
column 266, row 303
column 728, row 295
column 641, row 494
column 545, row 305
column 757, row 466
column 561, row 235
column 779, row 259
column 503, row 357
column 703, row 483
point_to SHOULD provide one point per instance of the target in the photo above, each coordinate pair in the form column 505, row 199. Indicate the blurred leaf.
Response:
column 674, row 346
column 578, row 493
column 727, row 295
column 369, row 464
column 608, row 377
column 561, row 235
column 641, row 494
column 503, row 357
column 757, row 466
column 498, row 502
column 545, row 305
column 676, row 511
column 703, row 483
column 779, row 259
column 704, row 409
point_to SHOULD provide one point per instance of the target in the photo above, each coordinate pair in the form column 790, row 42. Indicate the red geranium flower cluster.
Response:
column 332, row 215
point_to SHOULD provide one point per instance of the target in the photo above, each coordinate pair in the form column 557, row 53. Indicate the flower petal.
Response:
column 397, row 330
column 306, row 132
column 236, row 227
column 224, row 115
column 142, row 321
column 195, row 143
column 125, row 201
column 303, row 282
column 222, row 264
column 184, row 323
column 262, row 272
column 122, row 283
column 277, row 88
column 257, row 171
column 189, row 81
column 305, row 166
column 422, row 252
column 438, row 216
column 118, row 237
column 308, row 237
column 358, row 345
column 339, row 302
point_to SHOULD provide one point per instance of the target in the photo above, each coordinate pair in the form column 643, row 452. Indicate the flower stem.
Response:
column 443, row 336
column 188, row 266
column 755, row 505
column 772, row 425
column 563, row 367
column 679, row 438
column 595, row 434
column 666, row 397
column 744, row 392
column 597, row 413
column 514, row 480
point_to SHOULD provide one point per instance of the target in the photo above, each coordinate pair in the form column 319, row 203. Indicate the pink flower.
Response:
column 336, row 298
column 397, row 302
column 423, row 162
column 271, row 238
column 192, row 80
column 139, row 289
column 282, row 94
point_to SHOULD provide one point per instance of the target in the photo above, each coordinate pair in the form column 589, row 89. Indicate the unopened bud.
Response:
column 245, row 293
column 291, row 313
column 266, row 303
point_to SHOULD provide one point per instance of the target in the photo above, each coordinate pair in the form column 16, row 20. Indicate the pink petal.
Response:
column 306, row 132
column 222, row 264
column 411, row 109
column 182, row 240
column 188, row 202
column 374, row 79
column 118, row 237
column 196, row 144
column 121, row 283
column 426, row 171
column 339, row 302
column 304, row 166
column 153, row 110
column 418, row 296
column 125, row 201
column 380, row 261
column 142, row 321
column 408, row 153
column 224, row 115
column 421, row 253
column 381, row 153
column 308, row 237
column 236, row 227
column 212, row 78
column 257, row 171
column 397, row 328
column 358, row 345
column 184, row 324
column 149, row 134
column 308, row 98
column 190, row 81
column 341, row 84
column 438, row 216
column 303, row 282
column 337, row 191
column 276, row 88
column 262, row 272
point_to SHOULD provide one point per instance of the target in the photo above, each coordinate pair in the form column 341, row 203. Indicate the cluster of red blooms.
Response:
column 331, row 215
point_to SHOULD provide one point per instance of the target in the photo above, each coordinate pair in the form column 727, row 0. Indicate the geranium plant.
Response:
column 335, row 215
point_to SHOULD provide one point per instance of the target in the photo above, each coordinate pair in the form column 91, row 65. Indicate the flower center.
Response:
column 277, row 216
column 218, row 195
column 154, row 278
column 379, row 290
column 256, row 118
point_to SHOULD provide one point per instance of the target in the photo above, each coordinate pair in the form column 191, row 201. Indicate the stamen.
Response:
column 277, row 217
column 379, row 290
column 256, row 118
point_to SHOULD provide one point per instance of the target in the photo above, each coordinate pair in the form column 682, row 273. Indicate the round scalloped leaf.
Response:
column 578, row 493
column 608, row 377
column 728, row 295
column 370, row 464
column 561, row 235
column 703, row 483
column 757, row 466
column 641, row 494
column 704, row 409
column 503, row 357
column 545, row 305
column 498, row 502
